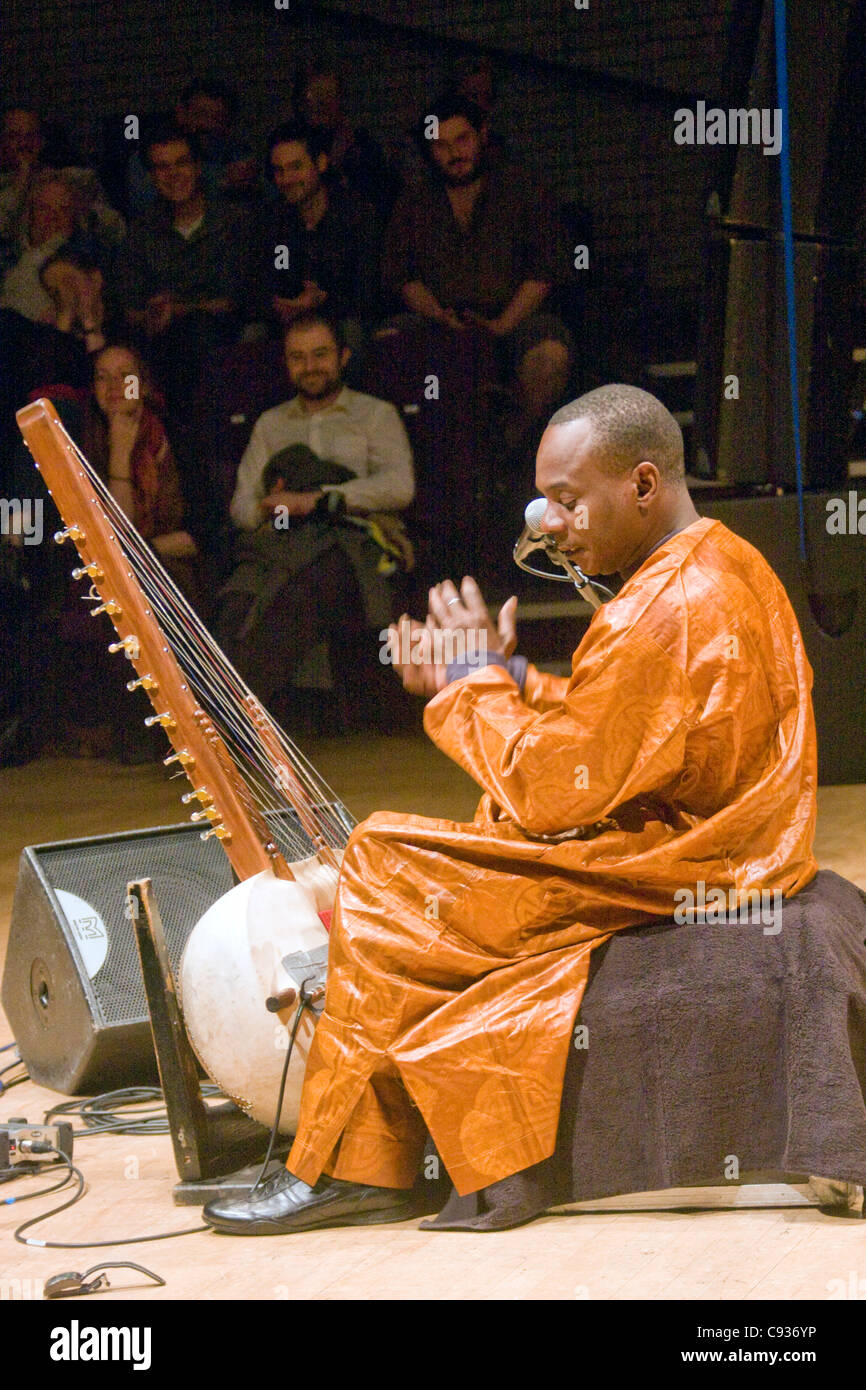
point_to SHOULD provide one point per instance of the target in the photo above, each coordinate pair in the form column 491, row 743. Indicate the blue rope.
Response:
column 779, row 25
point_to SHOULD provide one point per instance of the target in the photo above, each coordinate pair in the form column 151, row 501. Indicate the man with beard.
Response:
column 481, row 245
column 356, row 162
column 307, row 572
column 328, row 235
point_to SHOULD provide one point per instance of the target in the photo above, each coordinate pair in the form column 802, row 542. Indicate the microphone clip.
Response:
column 532, row 539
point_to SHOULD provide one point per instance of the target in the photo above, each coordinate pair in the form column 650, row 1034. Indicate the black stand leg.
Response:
column 209, row 1141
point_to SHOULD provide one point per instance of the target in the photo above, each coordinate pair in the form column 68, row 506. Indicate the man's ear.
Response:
column 322, row 163
column 344, row 356
column 646, row 477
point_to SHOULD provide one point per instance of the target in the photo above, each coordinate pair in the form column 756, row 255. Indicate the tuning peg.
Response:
column 200, row 794
column 218, row 831
column 165, row 720
column 92, row 570
column 129, row 645
column 142, row 683
column 73, row 533
column 183, row 757
column 208, row 813
column 110, row 607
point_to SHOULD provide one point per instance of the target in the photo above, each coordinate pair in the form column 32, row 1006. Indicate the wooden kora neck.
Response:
column 225, row 801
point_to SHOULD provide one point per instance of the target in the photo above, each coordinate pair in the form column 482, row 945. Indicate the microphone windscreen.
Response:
column 533, row 514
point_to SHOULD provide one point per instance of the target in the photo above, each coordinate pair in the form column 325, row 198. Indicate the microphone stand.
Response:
column 586, row 587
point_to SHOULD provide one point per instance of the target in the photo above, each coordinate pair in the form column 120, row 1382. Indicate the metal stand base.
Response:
column 237, row 1184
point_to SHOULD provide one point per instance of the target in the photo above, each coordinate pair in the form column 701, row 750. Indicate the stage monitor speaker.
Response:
column 743, row 432
column 72, row 986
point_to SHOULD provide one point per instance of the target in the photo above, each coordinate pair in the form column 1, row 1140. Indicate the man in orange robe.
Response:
column 680, row 752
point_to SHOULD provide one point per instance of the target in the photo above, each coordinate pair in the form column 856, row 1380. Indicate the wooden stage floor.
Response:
column 716, row 1254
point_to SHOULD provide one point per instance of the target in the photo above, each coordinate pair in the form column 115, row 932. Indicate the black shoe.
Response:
column 284, row 1203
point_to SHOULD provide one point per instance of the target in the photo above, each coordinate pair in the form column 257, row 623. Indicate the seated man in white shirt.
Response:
column 305, row 573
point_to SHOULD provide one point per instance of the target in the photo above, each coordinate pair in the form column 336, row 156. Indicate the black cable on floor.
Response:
column 86, row 1244
column 16, row 1081
column 99, row 1114
column 7, row 1175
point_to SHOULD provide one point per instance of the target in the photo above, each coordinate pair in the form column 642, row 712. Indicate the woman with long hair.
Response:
column 125, row 441
column 118, row 428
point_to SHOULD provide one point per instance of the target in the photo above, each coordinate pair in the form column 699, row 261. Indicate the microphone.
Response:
column 532, row 536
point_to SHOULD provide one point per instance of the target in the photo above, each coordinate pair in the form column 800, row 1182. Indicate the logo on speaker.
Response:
column 88, row 928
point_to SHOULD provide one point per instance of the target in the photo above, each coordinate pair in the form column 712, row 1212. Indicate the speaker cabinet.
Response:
column 72, row 987
column 743, row 430
column 825, row 73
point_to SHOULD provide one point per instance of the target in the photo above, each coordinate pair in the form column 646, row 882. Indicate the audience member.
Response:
column 22, row 141
column 27, row 150
column 315, row 467
column 474, row 79
column 125, row 441
column 180, row 276
column 207, row 110
column 51, row 219
column 117, row 425
column 482, row 244
column 364, row 434
column 328, row 235
column 355, row 159
column 75, row 283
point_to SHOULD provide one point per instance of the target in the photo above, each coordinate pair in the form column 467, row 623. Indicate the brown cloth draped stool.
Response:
column 705, row 1043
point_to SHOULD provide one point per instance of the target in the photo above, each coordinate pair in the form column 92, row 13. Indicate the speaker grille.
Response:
column 186, row 875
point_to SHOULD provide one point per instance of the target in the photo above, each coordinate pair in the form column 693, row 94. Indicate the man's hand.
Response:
column 453, row 320
column 493, row 326
column 123, row 425
column 467, row 610
column 294, row 503
column 410, row 639
column 311, row 297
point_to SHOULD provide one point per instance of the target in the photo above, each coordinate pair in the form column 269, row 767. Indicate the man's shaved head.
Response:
column 610, row 467
column 629, row 426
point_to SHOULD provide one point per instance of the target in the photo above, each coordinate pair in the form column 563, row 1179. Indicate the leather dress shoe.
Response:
column 284, row 1203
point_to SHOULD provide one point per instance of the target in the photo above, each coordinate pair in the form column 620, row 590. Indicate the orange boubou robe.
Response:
column 680, row 751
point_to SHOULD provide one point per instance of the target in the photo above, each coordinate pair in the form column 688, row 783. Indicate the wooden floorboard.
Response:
column 663, row 1255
